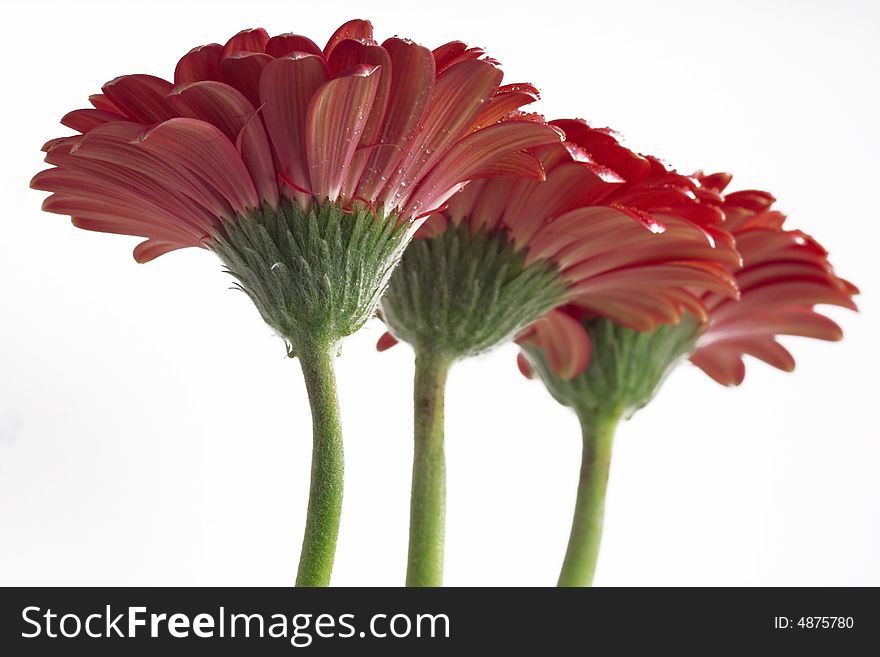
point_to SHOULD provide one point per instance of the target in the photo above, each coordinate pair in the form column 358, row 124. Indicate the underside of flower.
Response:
column 462, row 293
column 626, row 367
column 315, row 276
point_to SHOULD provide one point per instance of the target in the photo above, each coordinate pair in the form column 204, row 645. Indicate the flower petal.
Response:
column 83, row 120
column 141, row 97
column 386, row 341
column 228, row 110
column 286, row 44
column 201, row 63
column 205, row 151
column 357, row 29
column 335, row 122
column 472, row 155
column 412, row 82
column 246, row 41
column 243, row 71
column 286, row 89
column 152, row 249
column 458, row 96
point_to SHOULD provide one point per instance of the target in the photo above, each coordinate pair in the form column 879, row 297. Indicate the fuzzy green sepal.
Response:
column 460, row 294
column 315, row 276
column 626, row 369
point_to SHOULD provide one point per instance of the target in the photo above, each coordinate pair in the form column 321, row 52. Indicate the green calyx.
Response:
column 460, row 294
column 626, row 369
column 315, row 275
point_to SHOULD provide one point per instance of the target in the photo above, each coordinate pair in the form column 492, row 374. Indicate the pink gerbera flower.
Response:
column 304, row 169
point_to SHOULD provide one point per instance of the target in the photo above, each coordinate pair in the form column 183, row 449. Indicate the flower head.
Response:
column 783, row 275
column 617, row 233
column 303, row 168
column 261, row 119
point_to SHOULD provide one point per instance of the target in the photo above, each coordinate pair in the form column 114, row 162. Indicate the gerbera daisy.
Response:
column 616, row 231
column 783, row 276
column 304, row 170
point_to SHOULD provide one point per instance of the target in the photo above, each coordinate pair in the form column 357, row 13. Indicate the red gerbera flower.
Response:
column 303, row 169
column 586, row 221
column 785, row 274
column 258, row 119
column 630, row 238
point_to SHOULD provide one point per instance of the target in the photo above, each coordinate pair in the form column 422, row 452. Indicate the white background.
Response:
column 152, row 431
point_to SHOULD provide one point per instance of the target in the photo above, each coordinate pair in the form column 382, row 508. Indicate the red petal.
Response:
column 507, row 99
column 286, row 44
column 518, row 165
column 205, row 151
column 458, row 96
column 83, row 120
column 286, row 89
column 201, row 63
column 232, row 113
column 386, row 341
column 335, row 122
column 141, row 97
column 412, row 80
column 356, row 29
column 243, row 71
column 152, row 249
column 565, row 343
column 525, row 367
column 252, row 40
column 472, row 155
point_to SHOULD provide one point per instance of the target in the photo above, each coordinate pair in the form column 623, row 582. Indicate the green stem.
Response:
column 586, row 527
column 428, row 500
column 325, row 492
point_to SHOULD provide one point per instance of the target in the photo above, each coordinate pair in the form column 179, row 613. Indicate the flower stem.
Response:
column 325, row 492
column 586, row 527
column 428, row 499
